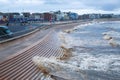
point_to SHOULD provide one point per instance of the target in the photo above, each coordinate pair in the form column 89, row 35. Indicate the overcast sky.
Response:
column 79, row 6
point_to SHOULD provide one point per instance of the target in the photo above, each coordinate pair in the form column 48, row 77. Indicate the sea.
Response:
column 99, row 58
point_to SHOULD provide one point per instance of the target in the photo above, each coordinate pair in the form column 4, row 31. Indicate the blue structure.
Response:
column 73, row 16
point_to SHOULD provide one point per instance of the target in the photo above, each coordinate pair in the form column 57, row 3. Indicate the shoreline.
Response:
column 14, row 46
column 46, row 47
column 63, row 27
column 69, row 26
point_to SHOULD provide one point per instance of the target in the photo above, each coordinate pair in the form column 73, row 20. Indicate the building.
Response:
column 59, row 16
column 26, row 14
column 1, row 16
column 84, row 16
column 89, row 16
column 12, row 17
column 116, row 16
column 66, row 16
column 107, row 16
column 38, row 16
column 49, row 16
column 94, row 16
column 73, row 16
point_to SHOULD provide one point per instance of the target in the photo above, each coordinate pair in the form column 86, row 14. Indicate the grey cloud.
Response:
column 108, row 5
column 102, row 4
column 95, row 4
column 53, row 2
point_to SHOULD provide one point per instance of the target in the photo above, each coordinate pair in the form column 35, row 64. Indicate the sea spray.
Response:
column 92, row 55
column 113, row 38
column 53, row 65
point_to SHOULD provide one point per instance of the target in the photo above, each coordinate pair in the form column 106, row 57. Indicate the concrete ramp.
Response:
column 21, row 67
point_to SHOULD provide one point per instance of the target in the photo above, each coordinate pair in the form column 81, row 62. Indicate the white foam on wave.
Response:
column 81, row 59
column 87, row 61
column 77, row 41
column 113, row 38
column 113, row 34
column 83, row 26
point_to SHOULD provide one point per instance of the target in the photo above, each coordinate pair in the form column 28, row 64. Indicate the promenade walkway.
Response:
column 19, row 66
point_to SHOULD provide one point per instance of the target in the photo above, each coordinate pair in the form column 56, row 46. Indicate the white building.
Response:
column 1, row 16
column 116, row 16
column 61, row 16
column 94, row 16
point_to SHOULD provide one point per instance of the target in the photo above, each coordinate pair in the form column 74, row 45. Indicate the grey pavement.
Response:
column 12, row 47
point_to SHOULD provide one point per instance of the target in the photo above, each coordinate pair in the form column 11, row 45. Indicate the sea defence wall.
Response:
column 21, row 67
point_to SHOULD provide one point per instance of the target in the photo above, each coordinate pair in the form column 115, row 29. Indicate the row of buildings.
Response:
column 47, row 16
column 98, row 16
column 51, row 16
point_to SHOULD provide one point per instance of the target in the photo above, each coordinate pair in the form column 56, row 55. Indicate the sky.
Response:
column 79, row 6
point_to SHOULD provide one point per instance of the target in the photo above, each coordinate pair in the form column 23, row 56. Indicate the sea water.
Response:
column 91, row 52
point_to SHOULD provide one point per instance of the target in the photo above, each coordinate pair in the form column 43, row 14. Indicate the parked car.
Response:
column 5, row 32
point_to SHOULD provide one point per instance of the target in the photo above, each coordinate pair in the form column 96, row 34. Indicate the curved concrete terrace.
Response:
column 20, row 66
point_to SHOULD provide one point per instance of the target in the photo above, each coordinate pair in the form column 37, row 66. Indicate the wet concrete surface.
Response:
column 13, row 47
column 10, row 48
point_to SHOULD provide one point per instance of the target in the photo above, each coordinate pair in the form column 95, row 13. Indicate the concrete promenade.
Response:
column 12, row 47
